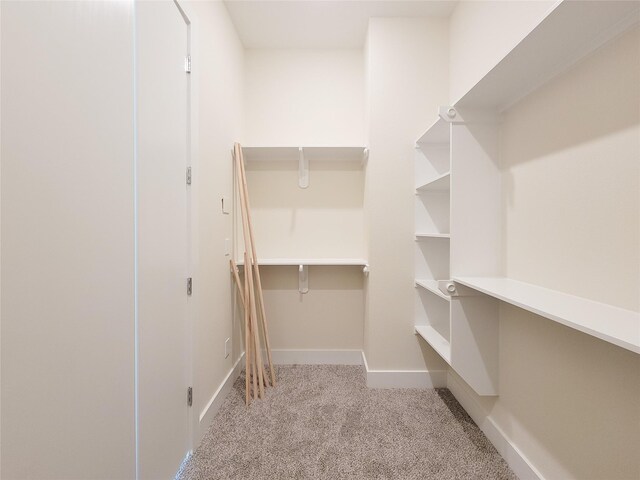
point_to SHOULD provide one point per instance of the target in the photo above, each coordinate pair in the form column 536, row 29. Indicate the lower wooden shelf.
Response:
column 437, row 341
column 421, row 235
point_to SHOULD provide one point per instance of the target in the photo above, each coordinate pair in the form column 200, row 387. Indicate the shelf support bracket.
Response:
column 365, row 270
column 455, row 289
column 303, row 279
column 448, row 288
column 303, row 169
column 365, row 157
column 451, row 114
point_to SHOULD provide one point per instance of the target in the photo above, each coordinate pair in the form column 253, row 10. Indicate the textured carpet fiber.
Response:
column 322, row 422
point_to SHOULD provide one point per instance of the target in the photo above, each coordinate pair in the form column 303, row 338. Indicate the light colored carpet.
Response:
column 322, row 422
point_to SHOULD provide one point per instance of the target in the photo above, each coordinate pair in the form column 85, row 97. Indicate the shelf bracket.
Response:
column 365, row 270
column 455, row 116
column 454, row 289
column 448, row 288
column 365, row 157
column 303, row 279
column 449, row 114
column 303, row 169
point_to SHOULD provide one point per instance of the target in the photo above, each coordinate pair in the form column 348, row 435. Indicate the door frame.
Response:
column 190, row 264
column 191, row 244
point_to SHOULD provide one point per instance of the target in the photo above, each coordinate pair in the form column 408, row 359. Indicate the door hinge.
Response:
column 189, row 396
column 187, row 64
column 188, row 175
column 189, row 286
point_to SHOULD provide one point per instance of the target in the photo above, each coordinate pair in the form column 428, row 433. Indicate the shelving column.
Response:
column 457, row 229
column 475, row 246
column 432, row 235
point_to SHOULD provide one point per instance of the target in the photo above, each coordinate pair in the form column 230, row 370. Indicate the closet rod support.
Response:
column 303, row 279
column 455, row 289
column 303, row 169
column 365, row 156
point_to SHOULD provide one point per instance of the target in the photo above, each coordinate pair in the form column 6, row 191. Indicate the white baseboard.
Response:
column 317, row 357
column 521, row 466
column 212, row 407
column 404, row 378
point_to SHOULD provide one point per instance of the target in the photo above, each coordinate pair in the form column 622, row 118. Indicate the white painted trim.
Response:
column 514, row 457
column 212, row 407
column 316, row 357
column 404, row 378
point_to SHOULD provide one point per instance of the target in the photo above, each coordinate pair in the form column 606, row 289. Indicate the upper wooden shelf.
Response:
column 313, row 154
column 606, row 322
column 360, row 262
column 437, row 133
column 570, row 30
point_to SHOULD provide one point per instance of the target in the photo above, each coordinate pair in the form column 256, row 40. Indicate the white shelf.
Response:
column 432, row 286
column 437, row 133
column 311, row 261
column 432, row 235
column 606, row 322
column 571, row 30
column 313, row 154
column 440, row 183
column 437, row 341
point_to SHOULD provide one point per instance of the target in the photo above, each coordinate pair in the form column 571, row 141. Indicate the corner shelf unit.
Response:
column 458, row 198
column 448, row 164
column 432, row 223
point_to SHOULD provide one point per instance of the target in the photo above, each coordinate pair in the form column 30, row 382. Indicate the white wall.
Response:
column 217, row 81
column 482, row 33
column 304, row 97
column 67, row 314
column 324, row 220
column 571, row 214
column 328, row 317
column 406, row 83
column 67, row 240
column 571, row 180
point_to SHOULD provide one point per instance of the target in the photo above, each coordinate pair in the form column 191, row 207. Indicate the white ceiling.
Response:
column 320, row 24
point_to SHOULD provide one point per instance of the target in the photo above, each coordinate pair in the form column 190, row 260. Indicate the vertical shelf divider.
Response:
column 460, row 325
